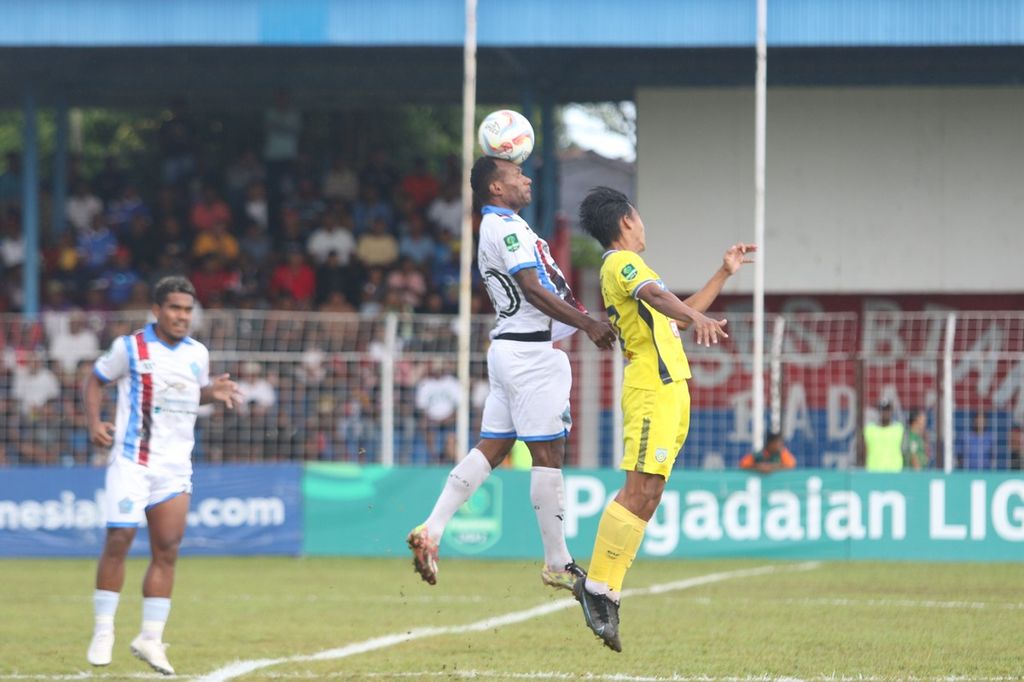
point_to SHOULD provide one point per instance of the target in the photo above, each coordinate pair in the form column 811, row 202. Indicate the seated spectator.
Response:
column 62, row 259
column 379, row 174
column 216, row 240
column 419, row 185
column 445, row 211
column 96, row 244
column 76, row 344
column 378, row 247
column 123, row 210
column 82, row 206
column 120, row 278
column 209, row 210
column 437, row 399
column 416, row 244
column 173, row 239
column 12, row 242
column 294, row 280
column 255, row 245
column 256, row 207
column 34, row 384
column 258, row 394
column 242, row 175
column 292, row 235
column 341, row 182
column 332, row 236
column 774, row 456
column 142, row 243
column 409, row 282
column 307, row 202
column 334, row 277
column 370, row 207
column 213, row 278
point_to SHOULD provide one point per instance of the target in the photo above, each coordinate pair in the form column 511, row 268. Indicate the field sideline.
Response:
column 351, row 619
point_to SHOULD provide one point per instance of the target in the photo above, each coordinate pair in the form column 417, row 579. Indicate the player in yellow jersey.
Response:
column 655, row 400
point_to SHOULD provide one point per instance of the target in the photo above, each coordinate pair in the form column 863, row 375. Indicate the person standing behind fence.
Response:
column 529, row 379
column 883, row 442
column 977, row 446
column 162, row 378
column 915, row 444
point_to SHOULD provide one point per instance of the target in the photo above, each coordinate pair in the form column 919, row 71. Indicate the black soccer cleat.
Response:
column 601, row 614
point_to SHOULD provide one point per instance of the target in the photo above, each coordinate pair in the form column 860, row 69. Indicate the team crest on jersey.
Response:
column 512, row 242
column 125, row 506
column 661, row 454
column 146, row 366
column 629, row 272
column 195, row 369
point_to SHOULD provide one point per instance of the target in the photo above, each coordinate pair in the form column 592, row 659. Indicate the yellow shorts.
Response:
column 654, row 424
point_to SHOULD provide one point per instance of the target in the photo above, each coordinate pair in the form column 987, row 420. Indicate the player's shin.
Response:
column 463, row 480
column 547, row 493
column 618, row 539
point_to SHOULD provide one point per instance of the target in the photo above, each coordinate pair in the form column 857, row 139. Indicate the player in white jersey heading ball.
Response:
column 529, row 378
column 162, row 378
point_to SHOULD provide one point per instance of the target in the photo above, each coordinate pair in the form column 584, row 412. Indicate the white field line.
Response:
column 843, row 601
column 505, row 675
column 239, row 668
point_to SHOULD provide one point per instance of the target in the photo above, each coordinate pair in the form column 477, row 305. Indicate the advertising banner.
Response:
column 235, row 510
column 802, row 514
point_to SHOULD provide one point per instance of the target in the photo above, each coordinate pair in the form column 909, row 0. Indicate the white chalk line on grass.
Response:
column 844, row 601
column 239, row 668
column 538, row 675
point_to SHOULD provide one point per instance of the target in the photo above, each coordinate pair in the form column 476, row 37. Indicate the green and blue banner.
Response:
column 339, row 509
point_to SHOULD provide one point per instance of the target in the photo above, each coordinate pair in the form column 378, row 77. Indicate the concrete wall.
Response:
column 869, row 189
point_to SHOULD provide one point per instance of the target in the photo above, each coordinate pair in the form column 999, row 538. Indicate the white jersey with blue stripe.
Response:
column 158, row 388
column 508, row 245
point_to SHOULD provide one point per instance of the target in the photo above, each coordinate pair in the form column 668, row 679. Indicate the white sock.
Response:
column 155, row 611
column 595, row 587
column 547, row 493
column 462, row 482
column 104, row 604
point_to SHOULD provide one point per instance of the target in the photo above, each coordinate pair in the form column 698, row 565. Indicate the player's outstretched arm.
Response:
column 707, row 330
column 735, row 257
column 222, row 388
column 601, row 333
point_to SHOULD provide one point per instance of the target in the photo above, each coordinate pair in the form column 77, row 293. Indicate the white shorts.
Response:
column 529, row 398
column 132, row 489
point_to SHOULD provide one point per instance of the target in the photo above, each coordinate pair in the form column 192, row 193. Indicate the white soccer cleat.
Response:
column 101, row 648
column 152, row 651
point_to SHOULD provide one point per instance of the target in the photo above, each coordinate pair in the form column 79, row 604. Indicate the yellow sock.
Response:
column 618, row 538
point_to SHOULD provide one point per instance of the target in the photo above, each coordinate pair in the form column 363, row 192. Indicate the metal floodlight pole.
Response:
column 760, row 92
column 466, row 254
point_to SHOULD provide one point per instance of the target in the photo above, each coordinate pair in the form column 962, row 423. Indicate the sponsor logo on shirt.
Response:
column 512, row 242
column 629, row 272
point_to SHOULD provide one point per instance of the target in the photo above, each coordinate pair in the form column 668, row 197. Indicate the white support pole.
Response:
column 775, row 389
column 947, row 394
column 466, row 254
column 760, row 96
column 387, row 391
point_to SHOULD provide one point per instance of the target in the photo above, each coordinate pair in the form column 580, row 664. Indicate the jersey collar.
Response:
column 499, row 210
column 608, row 253
column 149, row 336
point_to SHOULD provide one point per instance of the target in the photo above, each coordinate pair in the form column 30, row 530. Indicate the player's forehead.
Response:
column 508, row 170
column 178, row 299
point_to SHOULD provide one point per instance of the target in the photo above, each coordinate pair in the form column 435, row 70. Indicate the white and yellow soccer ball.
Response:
column 506, row 134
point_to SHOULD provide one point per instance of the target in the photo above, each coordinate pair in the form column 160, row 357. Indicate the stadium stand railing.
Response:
column 382, row 389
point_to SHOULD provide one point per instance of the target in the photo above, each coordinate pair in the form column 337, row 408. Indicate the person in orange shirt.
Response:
column 774, row 456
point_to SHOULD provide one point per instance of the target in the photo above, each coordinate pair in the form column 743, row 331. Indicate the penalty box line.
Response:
column 239, row 668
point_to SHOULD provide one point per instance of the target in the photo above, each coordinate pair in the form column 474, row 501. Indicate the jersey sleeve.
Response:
column 203, row 376
column 628, row 273
column 113, row 364
column 516, row 247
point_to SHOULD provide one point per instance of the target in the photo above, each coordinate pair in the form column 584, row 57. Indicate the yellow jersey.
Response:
column 649, row 340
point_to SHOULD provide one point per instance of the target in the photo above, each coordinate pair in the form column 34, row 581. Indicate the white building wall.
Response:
column 869, row 189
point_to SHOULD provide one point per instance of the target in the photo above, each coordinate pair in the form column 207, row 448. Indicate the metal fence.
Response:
column 383, row 389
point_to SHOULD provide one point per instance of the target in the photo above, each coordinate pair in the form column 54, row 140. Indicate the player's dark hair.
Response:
column 601, row 213
column 485, row 171
column 173, row 284
column 771, row 437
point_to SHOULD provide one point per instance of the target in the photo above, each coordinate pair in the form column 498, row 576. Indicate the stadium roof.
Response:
column 347, row 52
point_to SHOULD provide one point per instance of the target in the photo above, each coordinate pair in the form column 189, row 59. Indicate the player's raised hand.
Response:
column 225, row 390
column 102, row 434
column 708, row 330
column 602, row 334
column 736, row 256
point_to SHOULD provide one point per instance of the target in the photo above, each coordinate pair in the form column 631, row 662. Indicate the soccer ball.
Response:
column 506, row 134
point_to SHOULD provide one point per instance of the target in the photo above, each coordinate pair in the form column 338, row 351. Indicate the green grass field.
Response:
column 828, row 621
